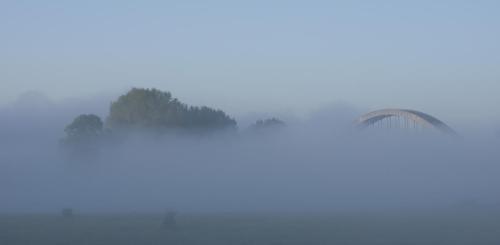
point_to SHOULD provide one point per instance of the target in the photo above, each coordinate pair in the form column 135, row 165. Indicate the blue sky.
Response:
column 441, row 57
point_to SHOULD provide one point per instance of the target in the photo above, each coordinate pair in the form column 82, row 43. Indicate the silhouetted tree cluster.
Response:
column 270, row 123
column 83, row 129
column 158, row 110
column 83, row 134
column 145, row 109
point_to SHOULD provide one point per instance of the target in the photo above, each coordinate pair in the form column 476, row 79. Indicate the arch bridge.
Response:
column 402, row 118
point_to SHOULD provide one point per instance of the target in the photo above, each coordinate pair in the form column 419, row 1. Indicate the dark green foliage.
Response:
column 158, row 110
column 145, row 108
column 205, row 117
column 83, row 136
column 84, row 128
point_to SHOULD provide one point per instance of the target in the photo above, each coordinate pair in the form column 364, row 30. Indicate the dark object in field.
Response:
column 67, row 212
column 169, row 220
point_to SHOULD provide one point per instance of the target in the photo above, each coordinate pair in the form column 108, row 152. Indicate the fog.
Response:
column 319, row 163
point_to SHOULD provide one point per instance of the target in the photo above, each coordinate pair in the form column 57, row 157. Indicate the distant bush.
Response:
column 169, row 221
column 67, row 212
column 271, row 123
column 84, row 132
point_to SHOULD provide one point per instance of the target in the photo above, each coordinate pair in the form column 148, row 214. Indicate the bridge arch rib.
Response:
column 420, row 118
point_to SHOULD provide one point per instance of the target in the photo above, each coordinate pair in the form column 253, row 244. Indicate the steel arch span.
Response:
column 418, row 118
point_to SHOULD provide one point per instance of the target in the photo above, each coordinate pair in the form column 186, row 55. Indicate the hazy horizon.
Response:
column 440, row 57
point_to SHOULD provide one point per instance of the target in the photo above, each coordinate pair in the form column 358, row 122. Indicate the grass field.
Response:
column 416, row 228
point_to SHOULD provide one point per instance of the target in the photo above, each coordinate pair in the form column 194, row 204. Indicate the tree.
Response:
column 144, row 108
column 84, row 129
column 207, row 118
column 270, row 123
column 158, row 110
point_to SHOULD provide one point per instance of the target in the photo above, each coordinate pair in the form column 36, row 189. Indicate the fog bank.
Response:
column 317, row 164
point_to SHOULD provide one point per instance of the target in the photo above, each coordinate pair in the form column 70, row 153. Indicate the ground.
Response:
column 361, row 228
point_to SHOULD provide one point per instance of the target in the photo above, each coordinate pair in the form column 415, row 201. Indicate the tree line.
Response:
column 155, row 111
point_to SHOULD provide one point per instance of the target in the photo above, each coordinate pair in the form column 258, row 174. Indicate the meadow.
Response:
column 450, row 227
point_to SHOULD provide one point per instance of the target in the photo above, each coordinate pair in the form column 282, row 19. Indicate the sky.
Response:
column 440, row 57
